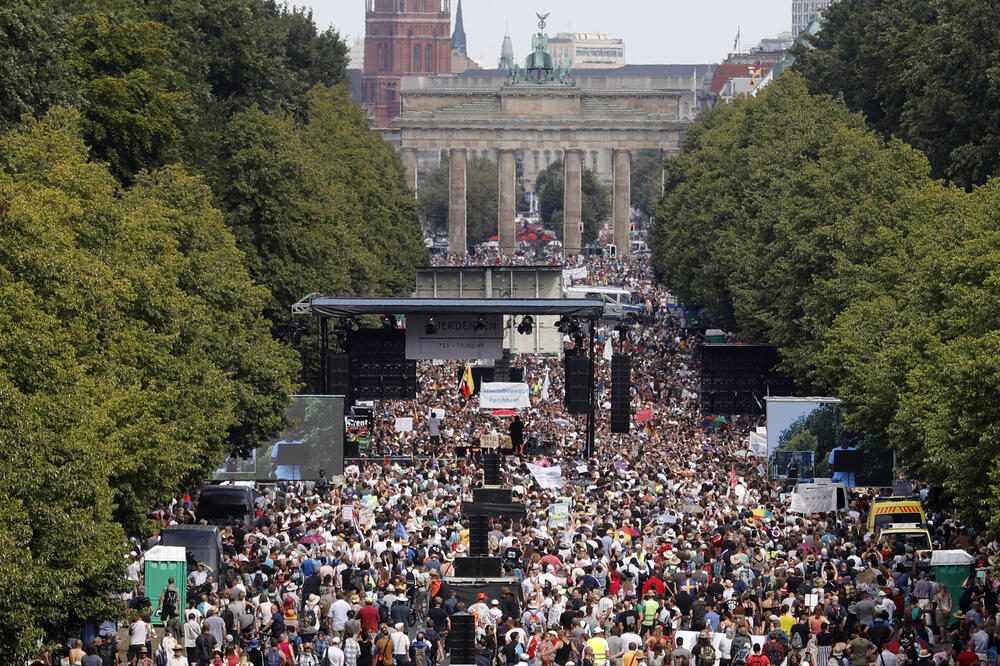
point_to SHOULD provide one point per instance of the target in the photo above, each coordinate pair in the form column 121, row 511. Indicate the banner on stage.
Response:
column 454, row 337
column 504, row 395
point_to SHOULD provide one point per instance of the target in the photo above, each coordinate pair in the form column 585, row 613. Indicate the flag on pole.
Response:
column 736, row 42
column 545, row 385
column 732, row 477
column 608, row 351
column 467, row 387
column 756, row 74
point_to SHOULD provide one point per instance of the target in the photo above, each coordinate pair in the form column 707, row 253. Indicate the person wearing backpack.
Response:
column 704, row 653
column 757, row 658
column 774, row 652
column 169, row 601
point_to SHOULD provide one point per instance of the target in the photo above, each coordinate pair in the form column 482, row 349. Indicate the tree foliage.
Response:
column 922, row 70
column 134, row 356
column 795, row 225
column 482, row 199
column 551, row 186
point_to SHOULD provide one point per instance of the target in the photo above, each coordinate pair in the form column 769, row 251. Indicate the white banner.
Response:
column 814, row 499
column 503, row 395
column 404, row 424
column 758, row 444
column 573, row 275
column 547, row 477
column 455, row 337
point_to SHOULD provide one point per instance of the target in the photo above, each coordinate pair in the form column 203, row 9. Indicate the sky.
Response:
column 655, row 31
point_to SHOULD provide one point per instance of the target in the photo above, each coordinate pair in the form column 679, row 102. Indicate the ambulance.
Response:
column 886, row 511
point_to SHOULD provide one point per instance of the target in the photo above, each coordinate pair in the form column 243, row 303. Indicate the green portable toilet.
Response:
column 951, row 568
column 162, row 563
column 715, row 336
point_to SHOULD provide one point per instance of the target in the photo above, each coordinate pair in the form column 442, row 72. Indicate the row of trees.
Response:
column 921, row 70
column 792, row 222
column 173, row 175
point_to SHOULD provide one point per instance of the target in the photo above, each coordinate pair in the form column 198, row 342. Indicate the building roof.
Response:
column 724, row 73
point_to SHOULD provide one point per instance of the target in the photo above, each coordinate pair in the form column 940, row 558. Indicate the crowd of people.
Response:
column 676, row 549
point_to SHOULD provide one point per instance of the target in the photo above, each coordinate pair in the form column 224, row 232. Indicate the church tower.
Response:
column 402, row 38
column 458, row 37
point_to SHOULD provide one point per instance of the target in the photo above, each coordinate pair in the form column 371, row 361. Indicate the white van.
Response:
column 618, row 301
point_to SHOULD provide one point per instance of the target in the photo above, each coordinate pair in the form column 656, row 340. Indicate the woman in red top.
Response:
column 286, row 649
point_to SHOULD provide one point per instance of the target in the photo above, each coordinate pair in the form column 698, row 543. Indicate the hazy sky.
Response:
column 655, row 31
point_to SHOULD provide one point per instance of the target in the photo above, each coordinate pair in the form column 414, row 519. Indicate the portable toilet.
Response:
column 162, row 564
column 951, row 568
column 715, row 336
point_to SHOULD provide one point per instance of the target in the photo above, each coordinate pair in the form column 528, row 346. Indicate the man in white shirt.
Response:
column 192, row 629
column 334, row 654
column 338, row 614
column 400, row 645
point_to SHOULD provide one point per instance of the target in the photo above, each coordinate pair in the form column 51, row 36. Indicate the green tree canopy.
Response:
column 482, row 184
column 921, row 70
column 551, row 186
column 134, row 357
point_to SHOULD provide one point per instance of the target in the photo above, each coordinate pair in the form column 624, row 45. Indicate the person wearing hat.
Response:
column 598, row 647
column 177, row 657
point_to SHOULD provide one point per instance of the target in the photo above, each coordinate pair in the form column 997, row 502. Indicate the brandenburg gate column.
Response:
column 622, row 202
column 506, row 211
column 410, row 164
column 457, row 202
column 572, row 200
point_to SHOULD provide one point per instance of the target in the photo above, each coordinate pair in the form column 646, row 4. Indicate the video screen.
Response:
column 793, row 465
column 816, row 425
column 315, row 441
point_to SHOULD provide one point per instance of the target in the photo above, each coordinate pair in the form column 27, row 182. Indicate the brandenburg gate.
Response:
column 538, row 106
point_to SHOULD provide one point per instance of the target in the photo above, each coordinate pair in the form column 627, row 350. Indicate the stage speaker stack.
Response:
column 479, row 536
column 736, row 377
column 379, row 369
column 501, row 368
column 491, row 469
column 462, row 640
column 621, row 394
column 338, row 374
column 577, row 384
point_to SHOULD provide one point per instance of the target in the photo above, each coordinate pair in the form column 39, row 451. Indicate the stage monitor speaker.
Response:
column 478, row 567
column 577, row 383
column 338, row 374
column 462, row 639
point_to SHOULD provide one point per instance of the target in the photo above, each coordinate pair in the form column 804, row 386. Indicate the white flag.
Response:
column 607, row 349
column 545, row 386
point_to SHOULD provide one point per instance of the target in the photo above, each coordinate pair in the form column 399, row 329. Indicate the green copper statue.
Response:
column 539, row 67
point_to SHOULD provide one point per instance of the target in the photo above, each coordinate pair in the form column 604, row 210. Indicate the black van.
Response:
column 224, row 504
column 202, row 542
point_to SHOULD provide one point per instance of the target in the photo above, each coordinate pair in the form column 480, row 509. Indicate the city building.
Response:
column 402, row 38
column 590, row 50
column 804, row 11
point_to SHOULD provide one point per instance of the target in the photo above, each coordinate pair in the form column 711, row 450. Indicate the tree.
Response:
column 550, row 186
column 33, row 50
column 921, row 70
column 135, row 358
column 647, row 180
column 322, row 207
column 481, row 183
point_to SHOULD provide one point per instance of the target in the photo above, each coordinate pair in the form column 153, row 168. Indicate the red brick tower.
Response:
column 402, row 38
